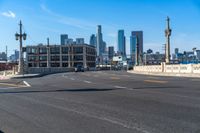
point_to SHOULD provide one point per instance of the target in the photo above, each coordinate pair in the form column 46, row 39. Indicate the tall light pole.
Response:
column 21, row 36
column 167, row 35
column 48, row 53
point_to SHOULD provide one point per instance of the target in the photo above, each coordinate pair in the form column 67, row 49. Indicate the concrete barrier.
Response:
column 48, row 70
column 175, row 68
column 7, row 73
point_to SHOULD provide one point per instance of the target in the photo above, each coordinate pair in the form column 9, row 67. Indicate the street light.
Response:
column 20, row 36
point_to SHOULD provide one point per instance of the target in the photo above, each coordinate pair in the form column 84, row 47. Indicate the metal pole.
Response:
column 69, row 48
column 20, row 50
column 48, row 53
column 167, row 35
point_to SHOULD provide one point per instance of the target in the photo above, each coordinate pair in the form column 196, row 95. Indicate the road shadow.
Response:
column 1, row 131
column 53, row 91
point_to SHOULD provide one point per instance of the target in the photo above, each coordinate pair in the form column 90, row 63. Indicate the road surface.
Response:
column 100, row 102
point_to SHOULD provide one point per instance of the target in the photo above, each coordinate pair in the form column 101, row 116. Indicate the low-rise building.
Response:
column 61, row 55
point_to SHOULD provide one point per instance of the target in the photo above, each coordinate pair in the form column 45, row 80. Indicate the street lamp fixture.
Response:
column 17, row 36
column 20, row 36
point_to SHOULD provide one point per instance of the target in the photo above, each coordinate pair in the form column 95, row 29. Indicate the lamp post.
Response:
column 48, row 53
column 167, row 35
column 20, row 36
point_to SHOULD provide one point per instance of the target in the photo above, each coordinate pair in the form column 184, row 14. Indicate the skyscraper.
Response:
column 111, row 52
column 63, row 39
column 103, row 47
column 80, row 41
column 133, row 48
column 137, row 37
column 121, row 43
column 176, row 51
column 93, row 40
column 99, row 41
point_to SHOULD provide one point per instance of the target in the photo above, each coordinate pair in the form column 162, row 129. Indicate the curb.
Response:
column 26, row 76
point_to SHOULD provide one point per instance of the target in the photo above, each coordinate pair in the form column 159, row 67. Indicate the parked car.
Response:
column 79, row 68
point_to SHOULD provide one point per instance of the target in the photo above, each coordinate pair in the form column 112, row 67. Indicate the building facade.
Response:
column 121, row 43
column 61, row 56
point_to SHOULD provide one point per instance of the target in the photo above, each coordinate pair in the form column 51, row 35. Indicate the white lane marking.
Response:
column 72, row 78
column 27, row 84
column 64, row 75
column 120, row 87
column 126, row 76
column 89, row 82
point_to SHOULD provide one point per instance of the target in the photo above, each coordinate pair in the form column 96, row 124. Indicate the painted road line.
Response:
column 156, row 81
column 153, row 77
column 89, row 82
column 96, row 76
column 120, row 87
column 27, row 84
column 72, row 78
column 64, row 75
column 197, row 80
column 115, row 78
column 126, row 76
column 13, row 85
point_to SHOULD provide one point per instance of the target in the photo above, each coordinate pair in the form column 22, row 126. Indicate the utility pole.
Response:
column 21, row 36
column 48, row 53
column 69, row 55
column 167, row 35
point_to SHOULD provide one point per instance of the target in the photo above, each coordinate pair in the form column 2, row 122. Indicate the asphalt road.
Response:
column 100, row 102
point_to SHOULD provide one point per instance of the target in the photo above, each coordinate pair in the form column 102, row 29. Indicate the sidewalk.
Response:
column 20, row 76
column 26, row 76
column 4, row 77
column 167, row 74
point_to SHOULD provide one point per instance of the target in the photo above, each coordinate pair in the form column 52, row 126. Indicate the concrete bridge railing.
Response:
column 176, row 68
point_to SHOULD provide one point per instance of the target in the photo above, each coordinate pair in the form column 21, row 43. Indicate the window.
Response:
column 43, row 64
column 55, row 58
column 43, row 50
column 55, row 50
column 64, row 64
column 64, row 50
column 78, row 58
column 32, row 58
column 55, row 64
column 64, row 58
column 30, row 65
column 43, row 58
column 32, row 50
column 78, row 50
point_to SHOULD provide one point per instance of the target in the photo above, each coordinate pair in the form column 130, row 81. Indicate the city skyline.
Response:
column 48, row 20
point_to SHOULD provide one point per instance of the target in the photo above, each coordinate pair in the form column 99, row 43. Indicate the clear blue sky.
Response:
column 78, row 18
